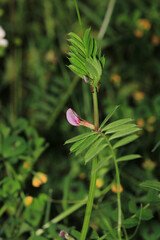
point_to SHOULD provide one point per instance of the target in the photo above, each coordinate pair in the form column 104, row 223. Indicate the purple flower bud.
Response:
column 72, row 117
column 75, row 120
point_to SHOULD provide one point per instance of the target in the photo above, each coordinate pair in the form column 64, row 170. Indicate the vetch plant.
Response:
column 87, row 62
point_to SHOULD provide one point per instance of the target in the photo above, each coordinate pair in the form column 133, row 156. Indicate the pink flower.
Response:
column 75, row 120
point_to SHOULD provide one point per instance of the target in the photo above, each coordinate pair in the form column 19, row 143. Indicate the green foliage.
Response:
column 85, row 59
column 35, row 91
column 96, row 142
column 20, row 148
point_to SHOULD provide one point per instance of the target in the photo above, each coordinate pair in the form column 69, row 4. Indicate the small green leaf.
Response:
column 86, row 37
column 120, row 128
column 146, row 214
column 94, row 48
column 93, row 73
column 124, row 133
column 13, row 146
column 108, row 117
column 153, row 184
column 75, row 36
column 76, row 145
column 76, row 70
column 128, row 157
column 99, row 54
column 130, row 222
column 125, row 141
column 102, row 60
column 90, row 140
column 76, row 55
column 77, row 64
column 77, row 44
column 79, row 137
column 90, row 47
column 117, row 123
column 95, row 149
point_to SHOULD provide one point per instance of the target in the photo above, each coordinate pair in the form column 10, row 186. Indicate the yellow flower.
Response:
column 114, row 188
column 155, row 40
column 99, row 182
column 150, row 128
column 151, row 119
column 39, row 179
column 28, row 200
column 144, row 24
column 149, row 164
column 138, row 33
column 26, row 164
column 82, row 176
column 115, row 78
column 138, row 96
column 140, row 122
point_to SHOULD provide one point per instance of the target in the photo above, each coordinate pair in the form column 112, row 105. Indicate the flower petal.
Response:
column 3, row 42
column 72, row 117
column 2, row 32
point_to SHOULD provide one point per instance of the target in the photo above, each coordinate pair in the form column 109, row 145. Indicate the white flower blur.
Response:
column 3, row 41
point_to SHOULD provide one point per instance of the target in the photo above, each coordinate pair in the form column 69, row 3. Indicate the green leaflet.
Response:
column 75, row 36
column 95, row 152
column 79, row 137
column 153, row 184
column 78, row 46
column 102, row 60
column 74, row 53
column 120, row 128
column 99, row 54
column 108, row 117
column 128, row 157
column 125, row 141
column 91, row 68
column 86, row 38
column 90, row 140
column 85, row 58
column 77, row 145
column 124, row 133
column 74, row 61
column 90, row 47
column 94, row 48
column 117, row 123
column 77, row 71
column 96, row 148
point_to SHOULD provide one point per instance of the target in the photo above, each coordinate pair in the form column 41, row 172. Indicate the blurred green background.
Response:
column 36, row 85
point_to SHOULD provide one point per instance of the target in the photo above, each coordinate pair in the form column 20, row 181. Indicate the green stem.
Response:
column 106, row 19
column 93, row 174
column 90, row 201
column 118, row 187
column 79, row 17
column 95, row 106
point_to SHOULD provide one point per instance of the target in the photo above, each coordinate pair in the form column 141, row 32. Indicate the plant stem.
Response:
column 90, row 201
column 106, row 19
column 95, row 106
column 79, row 17
column 118, row 187
column 93, row 174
